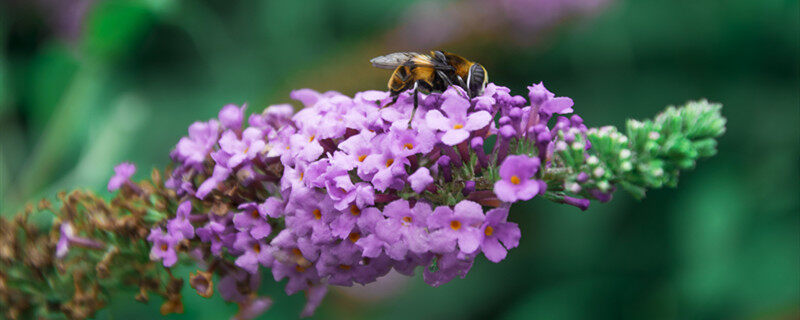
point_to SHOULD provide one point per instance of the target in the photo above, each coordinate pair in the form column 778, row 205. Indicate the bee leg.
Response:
column 464, row 85
column 416, row 103
column 394, row 99
column 450, row 83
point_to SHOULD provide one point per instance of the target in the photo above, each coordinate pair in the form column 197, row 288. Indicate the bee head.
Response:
column 477, row 79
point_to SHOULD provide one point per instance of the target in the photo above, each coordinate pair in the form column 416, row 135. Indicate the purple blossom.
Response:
column 218, row 235
column 342, row 190
column 220, row 174
column 314, row 296
column 461, row 223
column 254, row 252
column 231, row 116
column 240, row 150
column 448, row 267
column 515, row 183
column 193, row 150
column 405, row 142
column 68, row 238
column 348, row 219
column 385, row 170
column 163, row 246
column 254, row 307
column 411, row 223
column 497, row 230
column 420, row 179
column 312, row 216
column 458, row 124
column 180, row 226
column 235, row 280
column 354, row 151
column 252, row 219
column 122, row 175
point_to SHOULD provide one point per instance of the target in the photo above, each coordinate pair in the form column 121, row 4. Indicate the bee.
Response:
column 432, row 72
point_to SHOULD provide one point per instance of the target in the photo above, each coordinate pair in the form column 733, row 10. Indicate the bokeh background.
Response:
column 87, row 84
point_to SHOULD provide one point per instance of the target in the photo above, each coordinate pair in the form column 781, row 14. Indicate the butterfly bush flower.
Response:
column 164, row 246
column 231, row 116
column 68, row 238
column 496, row 230
column 458, row 123
column 515, row 179
column 122, row 174
column 180, row 226
column 191, row 151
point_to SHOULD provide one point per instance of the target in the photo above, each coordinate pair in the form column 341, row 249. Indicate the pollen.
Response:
column 354, row 236
column 362, row 157
column 515, row 180
column 408, row 146
column 458, row 126
column 164, row 247
column 311, row 138
column 317, row 214
column 354, row 210
column 254, row 214
column 297, row 252
column 344, row 267
column 488, row 231
column 455, row 224
column 389, row 162
column 301, row 175
column 408, row 219
column 299, row 268
column 257, row 248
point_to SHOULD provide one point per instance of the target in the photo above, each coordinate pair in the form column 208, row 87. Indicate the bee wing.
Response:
column 393, row 60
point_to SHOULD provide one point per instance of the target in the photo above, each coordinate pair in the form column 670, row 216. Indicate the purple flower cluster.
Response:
column 345, row 190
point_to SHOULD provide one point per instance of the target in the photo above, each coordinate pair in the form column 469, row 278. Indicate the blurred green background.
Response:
column 87, row 84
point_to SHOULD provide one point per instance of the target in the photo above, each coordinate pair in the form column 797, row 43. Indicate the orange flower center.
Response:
column 458, row 126
column 354, row 210
column 408, row 146
column 311, row 138
column 299, row 269
column 455, row 224
column 362, row 157
column 317, row 214
column 257, row 248
column 515, row 179
column 164, row 247
column 488, row 231
column 344, row 267
column 254, row 214
column 389, row 162
column 297, row 252
column 354, row 236
column 301, row 175
column 408, row 219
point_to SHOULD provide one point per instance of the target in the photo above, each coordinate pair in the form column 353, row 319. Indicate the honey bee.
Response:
column 432, row 72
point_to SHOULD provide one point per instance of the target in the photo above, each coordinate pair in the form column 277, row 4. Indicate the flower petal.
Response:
column 493, row 250
column 455, row 136
column 437, row 120
column 478, row 120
